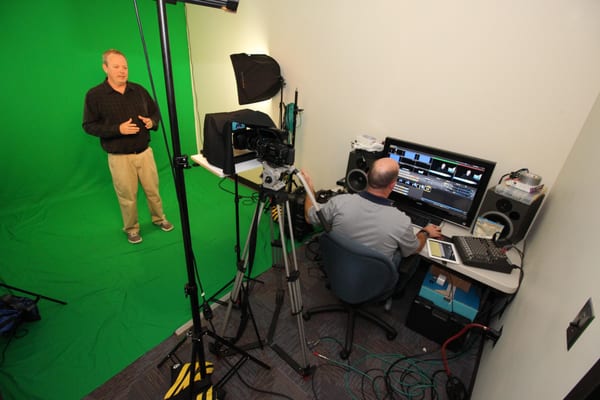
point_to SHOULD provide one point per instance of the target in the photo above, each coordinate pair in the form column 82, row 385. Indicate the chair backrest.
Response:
column 357, row 274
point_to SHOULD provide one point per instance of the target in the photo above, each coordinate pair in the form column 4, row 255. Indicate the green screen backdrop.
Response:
column 59, row 218
column 52, row 56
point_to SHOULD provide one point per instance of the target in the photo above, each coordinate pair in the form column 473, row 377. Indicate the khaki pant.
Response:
column 126, row 170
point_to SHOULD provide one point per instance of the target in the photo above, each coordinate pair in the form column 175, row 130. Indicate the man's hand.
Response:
column 429, row 231
column 129, row 128
column 147, row 122
column 433, row 231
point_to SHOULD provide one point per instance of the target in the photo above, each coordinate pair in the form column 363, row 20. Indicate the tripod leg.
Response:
column 238, row 350
column 295, row 291
column 276, row 252
column 247, row 313
column 293, row 287
column 235, row 293
column 233, row 298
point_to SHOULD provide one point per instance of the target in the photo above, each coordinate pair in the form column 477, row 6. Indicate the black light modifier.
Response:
column 258, row 77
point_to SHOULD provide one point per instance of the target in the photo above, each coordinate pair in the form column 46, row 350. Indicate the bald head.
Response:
column 382, row 173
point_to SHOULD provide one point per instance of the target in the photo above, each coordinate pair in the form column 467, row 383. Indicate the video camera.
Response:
column 269, row 144
column 228, row 134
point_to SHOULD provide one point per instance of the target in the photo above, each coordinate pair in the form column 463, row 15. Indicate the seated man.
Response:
column 371, row 219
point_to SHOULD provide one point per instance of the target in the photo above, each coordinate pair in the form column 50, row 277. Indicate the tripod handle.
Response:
column 310, row 194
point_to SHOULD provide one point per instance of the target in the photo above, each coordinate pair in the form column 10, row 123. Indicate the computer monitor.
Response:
column 438, row 183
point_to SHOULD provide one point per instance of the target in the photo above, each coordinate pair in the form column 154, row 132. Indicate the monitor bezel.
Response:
column 423, row 208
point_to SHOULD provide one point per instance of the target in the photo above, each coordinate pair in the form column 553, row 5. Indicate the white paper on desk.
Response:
column 485, row 228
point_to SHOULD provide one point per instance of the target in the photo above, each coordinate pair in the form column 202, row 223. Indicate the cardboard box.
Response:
column 450, row 292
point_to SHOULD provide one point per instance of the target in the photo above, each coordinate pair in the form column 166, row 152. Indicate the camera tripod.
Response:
column 272, row 191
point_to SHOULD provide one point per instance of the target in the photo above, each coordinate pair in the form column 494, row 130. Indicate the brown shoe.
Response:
column 134, row 238
column 166, row 226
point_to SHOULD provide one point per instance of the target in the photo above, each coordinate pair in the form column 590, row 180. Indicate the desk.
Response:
column 438, row 324
column 239, row 167
column 505, row 283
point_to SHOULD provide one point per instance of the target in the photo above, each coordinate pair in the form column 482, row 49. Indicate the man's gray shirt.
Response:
column 370, row 220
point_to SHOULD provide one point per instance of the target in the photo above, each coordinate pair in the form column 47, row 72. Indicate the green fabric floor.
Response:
column 122, row 299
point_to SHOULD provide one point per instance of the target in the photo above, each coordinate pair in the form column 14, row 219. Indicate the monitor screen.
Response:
column 445, row 185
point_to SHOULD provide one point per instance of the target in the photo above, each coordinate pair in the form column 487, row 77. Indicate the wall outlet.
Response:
column 578, row 325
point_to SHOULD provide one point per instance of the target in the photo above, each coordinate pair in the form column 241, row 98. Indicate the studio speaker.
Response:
column 514, row 215
column 359, row 163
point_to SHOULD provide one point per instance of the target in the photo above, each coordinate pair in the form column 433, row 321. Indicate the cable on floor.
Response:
column 396, row 377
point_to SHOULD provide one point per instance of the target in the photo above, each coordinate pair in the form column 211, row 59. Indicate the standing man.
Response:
column 121, row 114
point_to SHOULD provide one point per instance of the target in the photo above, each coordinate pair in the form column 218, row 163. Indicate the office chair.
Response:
column 357, row 275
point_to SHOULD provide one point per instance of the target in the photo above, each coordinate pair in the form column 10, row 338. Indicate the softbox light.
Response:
column 258, row 77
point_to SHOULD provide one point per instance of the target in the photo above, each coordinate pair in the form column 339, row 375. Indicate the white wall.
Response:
column 511, row 81
column 561, row 274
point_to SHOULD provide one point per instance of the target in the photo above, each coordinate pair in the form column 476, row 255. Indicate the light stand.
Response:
column 181, row 162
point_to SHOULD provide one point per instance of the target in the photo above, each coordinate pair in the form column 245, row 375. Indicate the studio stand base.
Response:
column 227, row 346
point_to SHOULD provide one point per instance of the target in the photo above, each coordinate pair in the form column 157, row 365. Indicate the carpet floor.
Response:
column 408, row 367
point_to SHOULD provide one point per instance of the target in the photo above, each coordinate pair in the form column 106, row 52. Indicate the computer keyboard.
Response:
column 482, row 253
column 421, row 219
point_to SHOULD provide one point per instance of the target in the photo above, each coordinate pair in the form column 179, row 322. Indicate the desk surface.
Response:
column 239, row 167
column 506, row 283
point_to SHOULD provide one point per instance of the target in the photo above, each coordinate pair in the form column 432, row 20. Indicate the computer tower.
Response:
column 515, row 215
